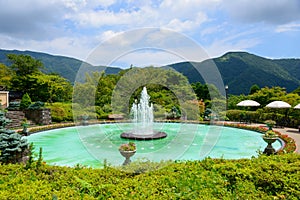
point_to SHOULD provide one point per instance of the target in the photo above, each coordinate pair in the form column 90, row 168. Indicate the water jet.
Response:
column 142, row 114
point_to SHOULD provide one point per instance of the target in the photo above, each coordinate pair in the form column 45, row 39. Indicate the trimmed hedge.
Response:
column 265, row 177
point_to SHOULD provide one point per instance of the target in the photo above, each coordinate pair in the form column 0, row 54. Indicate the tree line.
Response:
column 170, row 91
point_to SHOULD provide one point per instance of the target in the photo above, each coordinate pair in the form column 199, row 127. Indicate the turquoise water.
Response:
column 91, row 145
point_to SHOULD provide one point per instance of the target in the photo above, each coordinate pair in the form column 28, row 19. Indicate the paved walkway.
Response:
column 293, row 133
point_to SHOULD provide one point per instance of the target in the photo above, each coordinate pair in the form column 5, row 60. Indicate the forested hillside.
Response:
column 239, row 70
column 65, row 66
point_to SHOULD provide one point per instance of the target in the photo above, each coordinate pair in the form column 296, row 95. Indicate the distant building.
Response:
column 115, row 117
column 4, row 98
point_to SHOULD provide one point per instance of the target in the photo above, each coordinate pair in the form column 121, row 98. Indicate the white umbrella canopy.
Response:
column 297, row 106
column 248, row 103
column 278, row 104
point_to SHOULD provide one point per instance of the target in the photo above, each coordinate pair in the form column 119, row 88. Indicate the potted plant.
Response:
column 127, row 150
column 270, row 137
column 270, row 123
column 25, row 126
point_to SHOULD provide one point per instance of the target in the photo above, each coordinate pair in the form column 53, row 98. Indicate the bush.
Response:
column 61, row 112
column 12, row 145
column 265, row 177
column 36, row 105
column 25, row 102
column 242, row 115
column 14, row 105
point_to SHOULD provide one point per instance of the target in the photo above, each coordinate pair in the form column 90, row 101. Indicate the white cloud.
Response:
column 233, row 42
column 179, row 15
column 67, row 46
column 288, row 27
column 75, row 27
column 147, row 46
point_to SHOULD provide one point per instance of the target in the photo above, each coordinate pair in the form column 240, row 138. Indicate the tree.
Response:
column 24, row 65
column 25, row 102
column 254, row 88
column 84, row 93
column 51, row 88
column 266, row 95
column 28, row 78
column 5, row 76
column 201, row 91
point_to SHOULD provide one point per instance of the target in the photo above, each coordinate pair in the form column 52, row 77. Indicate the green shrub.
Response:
column 61, row 112
column 36, row 105
column 237, row 115
column 12, row 145
column 265, row 177
column 25, row 102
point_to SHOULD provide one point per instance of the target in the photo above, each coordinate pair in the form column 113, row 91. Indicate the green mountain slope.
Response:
column 64, row 66
column 240, row 70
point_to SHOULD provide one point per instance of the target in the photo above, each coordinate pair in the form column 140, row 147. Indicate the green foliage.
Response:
column 14, row 105
column 266, row 177
column 254, row 88
column 266, row 95
column 240, row 69
column 166, row 88
column 25, row 102
column 5, row 76
column 143, row 165
column 28, row 78
column 201, row 91
column 36, row 105
column 60, row 112
column 270, row 134
column 242, row 115
column 51, row 88
column 23, row 65
column 85, row 93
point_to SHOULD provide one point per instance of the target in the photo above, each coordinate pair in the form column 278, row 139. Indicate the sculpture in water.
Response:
column 142, row 113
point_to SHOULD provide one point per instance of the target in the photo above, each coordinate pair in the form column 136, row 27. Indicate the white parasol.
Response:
column 297, row 106
column 278, row 104
column 248, row 103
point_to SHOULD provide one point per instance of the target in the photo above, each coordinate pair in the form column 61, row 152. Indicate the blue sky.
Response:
column 78, row 28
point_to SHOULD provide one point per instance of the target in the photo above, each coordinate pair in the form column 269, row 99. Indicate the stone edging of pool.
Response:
column 288, row 143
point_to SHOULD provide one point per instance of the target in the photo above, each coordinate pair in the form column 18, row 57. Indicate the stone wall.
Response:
column 41, row 116
column 16, row 117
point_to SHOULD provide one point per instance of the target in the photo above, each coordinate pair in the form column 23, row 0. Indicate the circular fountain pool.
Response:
column 91, row 145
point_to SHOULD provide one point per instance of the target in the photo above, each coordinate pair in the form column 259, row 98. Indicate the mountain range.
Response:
column 239, row 70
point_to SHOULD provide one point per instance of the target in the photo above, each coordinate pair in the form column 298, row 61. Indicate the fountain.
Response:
column 142, row 113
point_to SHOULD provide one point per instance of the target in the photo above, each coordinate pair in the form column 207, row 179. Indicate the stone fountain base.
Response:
column 132, row 136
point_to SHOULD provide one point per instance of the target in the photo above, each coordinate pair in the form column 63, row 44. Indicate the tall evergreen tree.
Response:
column 25, row 102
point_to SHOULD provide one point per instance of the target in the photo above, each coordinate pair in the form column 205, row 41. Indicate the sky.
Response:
column 121, row 33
